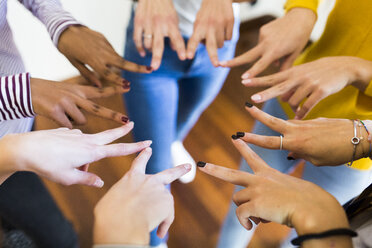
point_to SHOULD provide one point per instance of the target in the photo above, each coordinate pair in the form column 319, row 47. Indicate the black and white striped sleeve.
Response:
column 15, row 97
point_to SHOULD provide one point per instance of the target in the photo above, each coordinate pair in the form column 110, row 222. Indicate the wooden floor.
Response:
column 201, row 205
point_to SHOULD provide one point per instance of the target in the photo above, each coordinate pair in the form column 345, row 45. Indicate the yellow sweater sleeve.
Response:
column 309, row 4
column 368, row 91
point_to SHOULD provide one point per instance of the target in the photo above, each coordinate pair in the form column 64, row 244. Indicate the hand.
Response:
column 61, row 155
column 313, row 81
column 63, row 101
column 323, row 142
column 136, row 204
column 214, row 24
column 84, row 47
column 280, row 40
column 155, row 20
column 274, row 196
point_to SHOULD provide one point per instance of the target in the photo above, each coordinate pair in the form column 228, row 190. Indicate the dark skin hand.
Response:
column 86, row 49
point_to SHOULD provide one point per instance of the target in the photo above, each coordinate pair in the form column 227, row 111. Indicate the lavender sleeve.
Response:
column 52, row 15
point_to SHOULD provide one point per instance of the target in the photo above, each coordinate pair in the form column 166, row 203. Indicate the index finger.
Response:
column 101, row 111
column 193, row 44
column 270, row 121
column 170, row 175
column 140, row 162
column 212, row 48
column 178, row 43
column 253, row 160
column 126, row 65
column 157, row 50
column 228, row 175
column 110, row 135
column 245, row 58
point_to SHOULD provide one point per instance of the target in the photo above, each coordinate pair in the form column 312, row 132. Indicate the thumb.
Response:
column 85, row 178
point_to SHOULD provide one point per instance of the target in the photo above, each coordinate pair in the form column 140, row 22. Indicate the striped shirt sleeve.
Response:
column 15, row 97
column 51, row 13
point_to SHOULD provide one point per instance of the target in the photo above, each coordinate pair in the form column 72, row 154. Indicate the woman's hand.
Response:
column 86, row 49
column 136, row 204
column 213, row 25
column 313, row 81
column 62, row 155
column 280, row 40
column 323, row 142
column 63, row 102
column 273, row 196
column 155, row 20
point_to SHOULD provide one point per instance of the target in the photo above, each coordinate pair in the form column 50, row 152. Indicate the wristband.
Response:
column 334, row 232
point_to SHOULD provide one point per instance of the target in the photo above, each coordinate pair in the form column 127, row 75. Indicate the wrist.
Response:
column 361, row 71
column 306, row 16
column 124, row 231
column 10, row 160
column 319, row 217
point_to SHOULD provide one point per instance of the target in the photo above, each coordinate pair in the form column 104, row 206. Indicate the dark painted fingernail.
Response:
column 248, row 104
column 201, row 164
column 149, row 68
column 124, row 119
column 234, row 137
column 126, row 84
column 240, row 134
column 290, row 158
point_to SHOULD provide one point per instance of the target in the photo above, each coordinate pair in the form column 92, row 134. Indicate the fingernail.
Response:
column 247, row 81
column 98, row 183
column 126, row 84
column 201, row 164
column 183, row 56
column 187, row 166
column 248, row 104
column 245, row 76
column 234, row 137
column 147, row 142
column 240, row 134
column 296, row 117
column 223, row 63
column 256, row 98
column 290, row 158
column 149, row 68
column 124, row 119
column 189, row 55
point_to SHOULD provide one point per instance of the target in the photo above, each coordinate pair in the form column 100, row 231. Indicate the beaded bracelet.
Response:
column 334, row 232
column 369, row 139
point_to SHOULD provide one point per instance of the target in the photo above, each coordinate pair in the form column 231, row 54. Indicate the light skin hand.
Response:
column 273, row 196
column 280, row 40
column 63, row 102
column 214, row 24
column 140, row 202
column 86, row 49
column 322, row 141
column 313, row 82
column 62, row 155
column 155, row 20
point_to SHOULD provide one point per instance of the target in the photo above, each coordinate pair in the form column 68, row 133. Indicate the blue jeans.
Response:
column 166, row 104
column 342, row 182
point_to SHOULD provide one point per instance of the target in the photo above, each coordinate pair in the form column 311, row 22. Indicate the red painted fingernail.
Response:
column 125, row 119
column 149, row 68
column 126, row 84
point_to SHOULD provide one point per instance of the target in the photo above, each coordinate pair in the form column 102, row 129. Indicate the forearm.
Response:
column 52, row 15
column 8, row 157
column 15, row 97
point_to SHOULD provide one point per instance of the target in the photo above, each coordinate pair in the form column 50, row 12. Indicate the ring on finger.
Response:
column 147, row 36
column 281, row 142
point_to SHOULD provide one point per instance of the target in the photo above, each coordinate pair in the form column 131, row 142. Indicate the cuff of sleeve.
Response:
column 15, row 97
column 308, row 4
column 368, row 90
column 59, row 25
